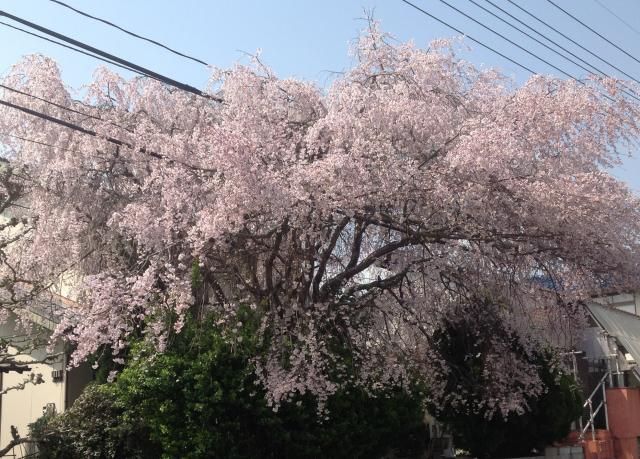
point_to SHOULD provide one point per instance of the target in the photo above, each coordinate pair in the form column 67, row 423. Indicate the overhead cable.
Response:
column 510, row 41
column 37, row 142
column 571, row 40
column 18, row 91
column 63, row 107
column 446, row 24
column 112, row 140
column 69, row 47
column 486, row 46
column 133, row 34
column 594, row 31
column 617, row 17
column 131, row 65
column 589, row 70
column 61, row 122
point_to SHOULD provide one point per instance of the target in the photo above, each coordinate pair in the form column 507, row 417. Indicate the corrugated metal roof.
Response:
column 624, row 326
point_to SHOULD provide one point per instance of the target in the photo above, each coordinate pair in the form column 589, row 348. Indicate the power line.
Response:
column 618, row 17
column 92, row 133
column 526, row 50
column 91, row 49
column 73, row 49
column 544, row 44
column 571, row 40
column 89, row 132
column 17, row 91
column 594, row 31
column 528, row 35
column 484, row 45
column 133, row 34
column 70, row 47
column 63, row 107
column 554, row 42
column 60, row 122
column 511, row 41
column 468, row 36
column 37, row 142
column 131, row 65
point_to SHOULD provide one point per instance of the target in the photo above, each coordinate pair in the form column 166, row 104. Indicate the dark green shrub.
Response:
column 200, row 399
column 94, row 427
column 463, row 344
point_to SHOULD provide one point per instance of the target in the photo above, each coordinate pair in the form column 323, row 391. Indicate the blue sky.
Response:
column 310, row 39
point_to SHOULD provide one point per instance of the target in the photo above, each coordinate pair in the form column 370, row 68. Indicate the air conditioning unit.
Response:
column 49, row 409
column 57, row 375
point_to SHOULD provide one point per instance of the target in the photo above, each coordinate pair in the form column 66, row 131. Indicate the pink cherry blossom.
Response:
column 352, row 220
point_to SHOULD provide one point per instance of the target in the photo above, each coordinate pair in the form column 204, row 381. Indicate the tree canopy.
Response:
column 353, row 219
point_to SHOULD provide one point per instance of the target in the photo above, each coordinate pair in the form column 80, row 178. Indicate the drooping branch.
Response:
column 34, row 378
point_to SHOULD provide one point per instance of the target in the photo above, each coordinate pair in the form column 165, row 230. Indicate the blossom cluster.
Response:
column 353, row 219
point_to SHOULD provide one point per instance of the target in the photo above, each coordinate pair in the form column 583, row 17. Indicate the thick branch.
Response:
column 335, row 282
column 268, row 265
column 360, row 229
column 327, row 254
column 382, row 284
column 13, row 443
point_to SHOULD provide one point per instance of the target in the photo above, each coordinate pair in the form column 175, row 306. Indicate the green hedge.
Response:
column 200, row 399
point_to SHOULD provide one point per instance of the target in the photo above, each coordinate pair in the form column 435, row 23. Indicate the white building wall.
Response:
column 22, row 407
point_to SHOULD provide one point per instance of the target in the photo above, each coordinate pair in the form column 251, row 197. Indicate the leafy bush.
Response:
column 466, row 346
column 201, row 399
column 94, row 427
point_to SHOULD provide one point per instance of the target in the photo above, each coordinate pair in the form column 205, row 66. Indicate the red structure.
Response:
column 622, row 440
column 623, row 408
column 601, row 448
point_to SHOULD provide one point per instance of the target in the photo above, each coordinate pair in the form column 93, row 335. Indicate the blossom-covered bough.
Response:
column 351, row 220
